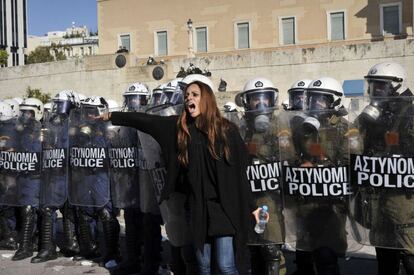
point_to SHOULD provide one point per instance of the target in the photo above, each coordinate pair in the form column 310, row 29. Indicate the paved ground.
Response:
column 360, row 262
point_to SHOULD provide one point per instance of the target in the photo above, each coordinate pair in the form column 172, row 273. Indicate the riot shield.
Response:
column 123, row 155
column 382, row 171
column 260, row 130
column 89, row 160
column 55, row 143
column 315, row 162
column 153, row 167
column 20, row 162
column 8, row 165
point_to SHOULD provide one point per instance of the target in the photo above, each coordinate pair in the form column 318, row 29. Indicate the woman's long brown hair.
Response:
column 209, row 122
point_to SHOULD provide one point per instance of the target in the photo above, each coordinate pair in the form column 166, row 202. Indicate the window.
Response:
column 288, row 30
column 243, row 35
column 162, row 46
column 337, row 25
column 125, row 41
column 82, row 51
column 90, row 50
column 390, row 15
column 201, row 39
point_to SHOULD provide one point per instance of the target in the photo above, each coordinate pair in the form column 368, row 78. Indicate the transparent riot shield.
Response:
column 382, row 171
column 172, row 210
column 20, row 162
column 260, row 130
column 55, row 143
column 123, row 155
column 8, row 162
column 89, row 160
column 315, row 162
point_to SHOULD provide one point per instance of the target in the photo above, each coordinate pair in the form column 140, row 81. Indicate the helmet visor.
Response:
column 155, row 99
column 317, row 101
column 380, row 88
column 259, row 100
column 296, row 99
column 134, row 102
column 166, row 96
column 177, row 98
column 61, row 107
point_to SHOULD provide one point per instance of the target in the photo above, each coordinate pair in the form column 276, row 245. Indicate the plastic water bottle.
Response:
column 261, row 225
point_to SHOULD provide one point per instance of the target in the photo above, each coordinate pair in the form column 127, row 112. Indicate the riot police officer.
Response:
column 54, row 178
column 137, row 97
column 89, row 187
column 28, row 181
column 259, row 97
column 385, row 132
column 8, row 141
column 318, row 137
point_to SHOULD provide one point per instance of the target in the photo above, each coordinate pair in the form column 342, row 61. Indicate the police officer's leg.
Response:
column 26, row 245
column 326, row 261
column 152, row 243
column 8, row 228
column 87, row 244
column 70, row 245
column 272, row 256
column 133, row 242
column 47, row 246
column 110, row 228
column 388, row 261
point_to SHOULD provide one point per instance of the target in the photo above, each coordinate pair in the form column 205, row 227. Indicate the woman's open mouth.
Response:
column 191, row 107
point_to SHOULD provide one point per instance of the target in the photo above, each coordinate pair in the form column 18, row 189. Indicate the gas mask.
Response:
column 261, row 123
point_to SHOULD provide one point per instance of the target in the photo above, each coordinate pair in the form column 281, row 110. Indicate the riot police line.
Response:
column 326, row 173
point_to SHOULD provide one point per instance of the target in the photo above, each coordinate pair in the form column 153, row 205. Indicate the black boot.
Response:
column 87, row 246
column 26, row 243
column 47, row 246
column 9, row 235
column 110, row 228
column 133, row 242
column 70, row 245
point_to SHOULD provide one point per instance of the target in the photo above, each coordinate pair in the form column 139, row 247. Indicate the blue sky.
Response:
column 57, row 15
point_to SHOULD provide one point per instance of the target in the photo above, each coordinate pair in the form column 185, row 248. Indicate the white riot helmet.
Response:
column 6, row 111
column 169, row 90
column 14, row 104
column 230, row 107
column 64, row 101
column 94, row 106
column 47, row 107
column 297, row 94
column 18, row 99
column 324, row 93
column 258, row 94
column 81, row 97
column 136, row 95
column 192, row 78
column 31, row 108
column 156, row 95
column 386, row 79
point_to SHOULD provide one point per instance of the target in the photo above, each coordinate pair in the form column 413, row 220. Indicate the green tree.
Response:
column 3, row 57
column 37, row 93
column 40, row 55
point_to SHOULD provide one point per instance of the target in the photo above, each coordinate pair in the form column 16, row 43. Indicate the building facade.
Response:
column 13, row 30
column 198, row 28
column 75, row 42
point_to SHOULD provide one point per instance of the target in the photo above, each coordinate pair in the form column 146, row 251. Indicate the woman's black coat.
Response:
column 232, row 184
